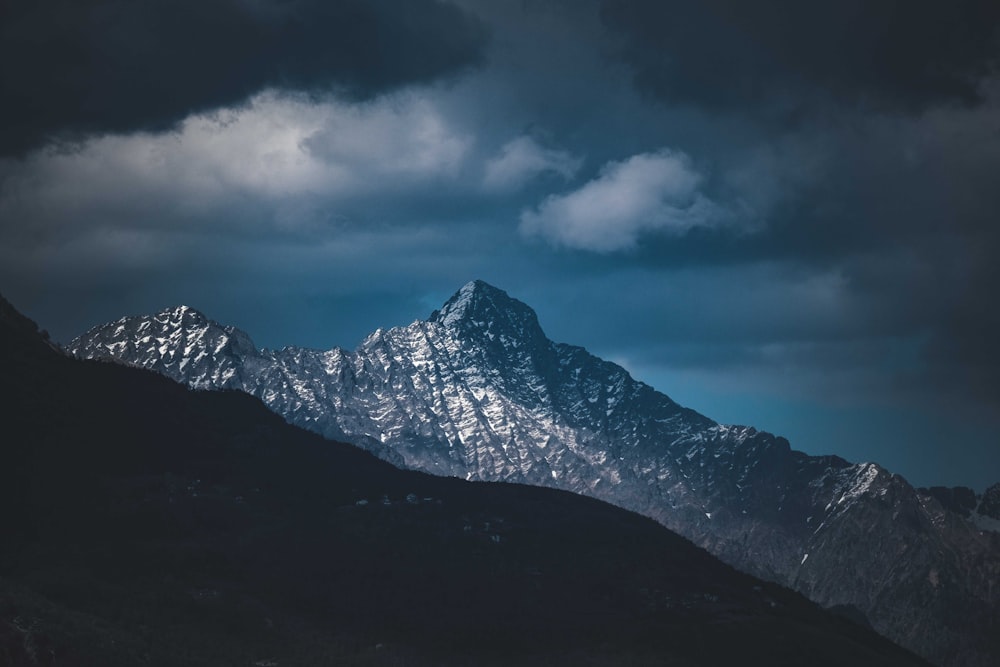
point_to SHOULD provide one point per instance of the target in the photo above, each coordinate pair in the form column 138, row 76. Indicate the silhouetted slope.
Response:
column 148, row 524
column 479, row 392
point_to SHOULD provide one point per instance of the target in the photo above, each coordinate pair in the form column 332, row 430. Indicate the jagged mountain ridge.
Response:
column 478, row 391
column 147, row 524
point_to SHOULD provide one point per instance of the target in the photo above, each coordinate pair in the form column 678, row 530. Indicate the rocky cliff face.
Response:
column 478, row 391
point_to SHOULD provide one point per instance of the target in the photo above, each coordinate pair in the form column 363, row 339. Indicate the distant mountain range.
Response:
column 142, row 523
column 478, row 391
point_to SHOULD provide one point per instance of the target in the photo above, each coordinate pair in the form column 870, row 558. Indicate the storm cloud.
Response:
column 74, row 68
column 788, row 55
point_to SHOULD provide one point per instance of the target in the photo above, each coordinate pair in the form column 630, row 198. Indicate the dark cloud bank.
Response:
column 728, row 53
column 899, row 102
column 72, row 68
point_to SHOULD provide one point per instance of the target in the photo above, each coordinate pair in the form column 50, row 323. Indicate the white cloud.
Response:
column 522, row 159
column 287, row 146
column 397, row 138
column 649, row 192
column 275, row 162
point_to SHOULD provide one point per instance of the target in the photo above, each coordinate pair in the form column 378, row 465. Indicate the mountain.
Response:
column 145, row 523
column 478, row 391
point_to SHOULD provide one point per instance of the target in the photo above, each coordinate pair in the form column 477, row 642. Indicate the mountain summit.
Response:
column 481, row 308
column 147, row 524
column 478, row 391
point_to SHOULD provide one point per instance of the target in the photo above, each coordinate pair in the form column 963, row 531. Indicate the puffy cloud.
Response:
column 522, row 159
column 649, row 192
column 281, row 162
column 405, row 137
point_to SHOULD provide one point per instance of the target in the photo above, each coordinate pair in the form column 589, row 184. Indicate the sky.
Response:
column 782, row 214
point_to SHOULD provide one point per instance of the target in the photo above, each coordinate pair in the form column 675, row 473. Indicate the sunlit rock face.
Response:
column 479, row 392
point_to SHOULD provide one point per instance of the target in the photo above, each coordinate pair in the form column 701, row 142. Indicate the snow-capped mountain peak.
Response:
column 180, row 342
column 478, row 391
column 486, row 313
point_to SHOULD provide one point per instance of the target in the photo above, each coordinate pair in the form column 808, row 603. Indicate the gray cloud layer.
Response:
column 73, row 68
column 728, row 53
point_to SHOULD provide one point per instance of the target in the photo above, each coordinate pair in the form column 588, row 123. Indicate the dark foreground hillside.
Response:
column 144, row 524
